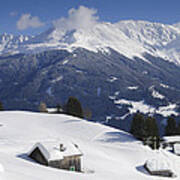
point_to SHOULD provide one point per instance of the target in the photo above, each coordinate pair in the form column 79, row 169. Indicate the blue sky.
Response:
column 38, row 15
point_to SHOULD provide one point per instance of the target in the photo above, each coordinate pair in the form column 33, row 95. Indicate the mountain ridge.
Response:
column 112, row 86
column 130, row 38
column 99, row 68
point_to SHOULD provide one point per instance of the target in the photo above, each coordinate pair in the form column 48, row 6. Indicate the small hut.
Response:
column 172, row 143
column 58, row 155
column 158, row 167
column 176, row 149
column 57, row 110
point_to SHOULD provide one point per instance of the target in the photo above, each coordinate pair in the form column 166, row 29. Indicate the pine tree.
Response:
column 178, row 129
column 146, row 129
column 73, row 107
column 151, row 127
column 1, row 106
column 171, row 127
column 137, row 126
column 152, row 137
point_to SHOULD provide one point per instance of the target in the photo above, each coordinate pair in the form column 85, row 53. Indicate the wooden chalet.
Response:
column 58, row 155
column 158, row 167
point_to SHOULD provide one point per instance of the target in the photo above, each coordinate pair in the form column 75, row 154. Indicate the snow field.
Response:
column 108, row 153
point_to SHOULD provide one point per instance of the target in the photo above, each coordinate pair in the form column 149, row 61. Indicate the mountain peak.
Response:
column 130, row 38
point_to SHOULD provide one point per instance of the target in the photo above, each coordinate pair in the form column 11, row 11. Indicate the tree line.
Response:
column 146, row 129
column 72, row 107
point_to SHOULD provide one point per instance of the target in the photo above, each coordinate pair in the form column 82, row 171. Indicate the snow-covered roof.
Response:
column 51, row 150
column 171, row 139
column 52, row 110
column 177, row 149
column 157, row 165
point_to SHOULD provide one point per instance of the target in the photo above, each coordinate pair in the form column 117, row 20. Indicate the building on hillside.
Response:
column 171, row 143
column 159, row 167
column 54, row 110
column 176, row 149
column 62, row 156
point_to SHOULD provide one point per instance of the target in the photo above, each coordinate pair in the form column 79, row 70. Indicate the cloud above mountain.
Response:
column 13, row 13
column 27, row 21
column 81, row 18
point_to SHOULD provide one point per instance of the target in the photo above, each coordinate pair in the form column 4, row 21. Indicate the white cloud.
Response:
column 27, row 21
column 81, row 18
column 13, row 13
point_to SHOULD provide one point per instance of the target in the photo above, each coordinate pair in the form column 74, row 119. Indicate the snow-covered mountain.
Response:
column 10, row 43
column 97, row 65
column 130, row 38
column 108, row 153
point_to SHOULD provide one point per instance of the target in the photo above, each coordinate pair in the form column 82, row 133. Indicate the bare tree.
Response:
column 42, row 107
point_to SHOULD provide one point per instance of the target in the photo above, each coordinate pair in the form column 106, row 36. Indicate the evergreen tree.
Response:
column 137, row 126
column 73, row 107
column 151, row 137
column 151, row 127
column 178, row 129
column 146, row 129
column 1, row 106
column 171, row 128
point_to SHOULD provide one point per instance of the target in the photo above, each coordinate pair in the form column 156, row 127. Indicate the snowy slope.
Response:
column 130, row 38
column 158, row 39
column 109, row 154
column 10, row 43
